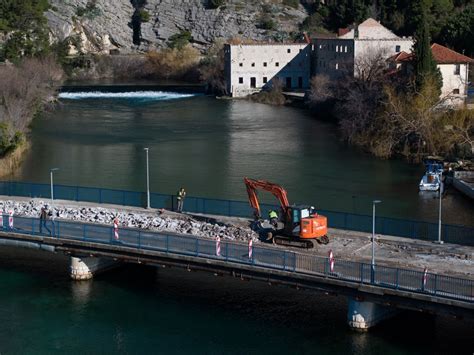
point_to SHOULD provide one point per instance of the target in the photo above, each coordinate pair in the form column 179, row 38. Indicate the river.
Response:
column 207, row 146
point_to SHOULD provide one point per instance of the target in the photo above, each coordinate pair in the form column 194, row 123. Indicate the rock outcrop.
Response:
column 104, row 25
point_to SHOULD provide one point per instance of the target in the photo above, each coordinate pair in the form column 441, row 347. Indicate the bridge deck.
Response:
column 446, row 259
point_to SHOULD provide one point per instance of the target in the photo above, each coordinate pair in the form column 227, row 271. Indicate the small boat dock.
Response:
column 463, row 181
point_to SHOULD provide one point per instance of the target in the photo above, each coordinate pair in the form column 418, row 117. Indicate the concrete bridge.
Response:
column 374, row 295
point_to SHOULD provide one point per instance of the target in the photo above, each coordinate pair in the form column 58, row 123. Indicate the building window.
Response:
column 265, row 79
column 457, row 69
column 264, row 64
column 337, row 66
column 345, row 49
column 253, row 83
column 320, row 46
column 241, row 64
column 253, row 64
column 241, row 80
column 277, row 64
column 397, row 49
column 456, row 91
column 288, row 50
column 337, row 48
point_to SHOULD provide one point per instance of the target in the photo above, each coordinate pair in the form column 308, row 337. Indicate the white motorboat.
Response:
column 430, row 181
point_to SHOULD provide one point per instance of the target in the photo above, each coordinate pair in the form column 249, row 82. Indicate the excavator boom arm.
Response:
column 277, row 191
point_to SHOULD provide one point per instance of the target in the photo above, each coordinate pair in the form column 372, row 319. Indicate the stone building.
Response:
column 251, row 67
column 351, row 51
column 454, row 68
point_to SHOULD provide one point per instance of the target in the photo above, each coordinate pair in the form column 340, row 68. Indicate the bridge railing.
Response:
column 271, row 258
column 384, row 225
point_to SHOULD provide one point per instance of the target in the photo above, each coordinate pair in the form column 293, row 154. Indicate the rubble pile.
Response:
column 182, row 224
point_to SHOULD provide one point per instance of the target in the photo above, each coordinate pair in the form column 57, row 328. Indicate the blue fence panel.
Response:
column 269, row 258
column 96, row 233
column 71, row 230
column 192, row 204
column 149, row 240
column 127, row 237
column 88, row 194
column 216, row 207
column 131, row 198
column 237, row 252
column 182, row 245
column 162, row 201
column 113, row 197
column 240, row 209
column 61, row 192
column 206, row 248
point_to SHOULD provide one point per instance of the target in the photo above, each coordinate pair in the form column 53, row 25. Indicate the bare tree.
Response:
column 25, row 89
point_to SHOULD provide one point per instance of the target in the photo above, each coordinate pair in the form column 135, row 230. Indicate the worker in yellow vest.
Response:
column 273, row 216
column 180, row 196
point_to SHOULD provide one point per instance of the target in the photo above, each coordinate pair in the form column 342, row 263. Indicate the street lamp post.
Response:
column 147, row 179
column 372, row 274
column 52, row 189
column 439, row 241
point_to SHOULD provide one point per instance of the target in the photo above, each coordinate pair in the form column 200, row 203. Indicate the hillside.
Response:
column 129, row 26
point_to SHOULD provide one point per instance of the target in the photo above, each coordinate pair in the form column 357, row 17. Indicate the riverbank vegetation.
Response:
column 389, row 114
column 271, row 96
column 26, row 88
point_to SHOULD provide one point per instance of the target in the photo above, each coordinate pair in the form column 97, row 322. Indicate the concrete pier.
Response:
column 362, row 315
column 84, row 268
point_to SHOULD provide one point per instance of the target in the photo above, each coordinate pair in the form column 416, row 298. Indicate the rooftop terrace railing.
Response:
column 415, row 281
column 457, row 234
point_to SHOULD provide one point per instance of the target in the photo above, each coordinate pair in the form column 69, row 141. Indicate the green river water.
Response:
column 207, row 146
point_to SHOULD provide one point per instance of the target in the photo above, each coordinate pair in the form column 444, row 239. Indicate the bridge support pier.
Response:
column 84, row 268
column 362, row 315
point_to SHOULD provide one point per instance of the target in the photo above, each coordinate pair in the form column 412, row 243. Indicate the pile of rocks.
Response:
column 182, row 224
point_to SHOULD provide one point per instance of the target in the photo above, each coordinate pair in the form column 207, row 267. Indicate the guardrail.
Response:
column 261, row 256
column 362, row 223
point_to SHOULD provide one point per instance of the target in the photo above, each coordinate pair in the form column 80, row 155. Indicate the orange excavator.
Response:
column 301, row 223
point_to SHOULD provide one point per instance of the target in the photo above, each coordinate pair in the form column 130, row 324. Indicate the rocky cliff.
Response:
column 101, row 26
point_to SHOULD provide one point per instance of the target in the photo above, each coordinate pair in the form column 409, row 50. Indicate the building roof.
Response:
column 441, row 54
column 369, row 29
column 444, row 55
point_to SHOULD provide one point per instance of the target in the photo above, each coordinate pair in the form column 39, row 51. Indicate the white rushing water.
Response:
column 148, row 95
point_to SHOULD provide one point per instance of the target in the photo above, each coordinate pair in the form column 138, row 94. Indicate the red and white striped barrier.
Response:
column 218, row 246
column 10, row 219
column 250, row 248
column 116, row 231
column 331, row 261
column 425, row 276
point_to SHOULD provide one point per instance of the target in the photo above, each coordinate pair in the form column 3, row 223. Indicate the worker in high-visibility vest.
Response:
column 273, row 216
column 180, row 196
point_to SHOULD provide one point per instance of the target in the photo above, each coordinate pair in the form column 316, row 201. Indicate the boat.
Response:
column 432, row 178
column 430, row 181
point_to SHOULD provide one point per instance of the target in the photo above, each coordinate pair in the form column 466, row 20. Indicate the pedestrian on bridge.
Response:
column 180, row 196
column 43, row 218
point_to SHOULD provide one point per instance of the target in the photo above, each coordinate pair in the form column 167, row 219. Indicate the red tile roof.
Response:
column 444, row 55
column 441, row 54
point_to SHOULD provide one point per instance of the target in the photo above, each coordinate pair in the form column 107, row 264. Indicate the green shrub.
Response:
column 266, row 22
column 291, row 3
column 180, row 40
column 144, row 15
column 90, row 10
column 214, row 4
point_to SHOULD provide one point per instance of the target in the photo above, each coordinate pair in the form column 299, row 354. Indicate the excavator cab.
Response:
column 306, row 223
